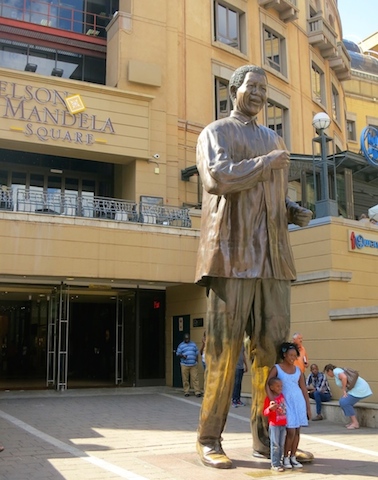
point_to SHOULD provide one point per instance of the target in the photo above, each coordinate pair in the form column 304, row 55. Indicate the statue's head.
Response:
column 248, row 86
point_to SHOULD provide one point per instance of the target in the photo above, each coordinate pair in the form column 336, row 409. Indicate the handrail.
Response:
column 53, row 15
column 89, row 206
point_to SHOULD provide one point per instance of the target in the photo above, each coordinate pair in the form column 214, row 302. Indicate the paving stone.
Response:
column 150, row 434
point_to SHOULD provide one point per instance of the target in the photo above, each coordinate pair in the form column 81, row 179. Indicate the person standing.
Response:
column 187, row 352
column 275, row 410
column 298, row 410
column 244, row 257
column 350, row 397
column 202, row 351
column 318, row 389
column 241, row 369
column 302, row 360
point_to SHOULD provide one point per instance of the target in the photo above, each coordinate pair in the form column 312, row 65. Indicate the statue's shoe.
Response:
column 257, row 454
column 213, row 456
column 303, row 456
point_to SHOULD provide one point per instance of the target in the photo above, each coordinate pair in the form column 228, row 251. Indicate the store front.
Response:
column 74, row 337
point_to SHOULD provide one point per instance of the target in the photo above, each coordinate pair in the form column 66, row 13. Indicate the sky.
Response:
column 359, row 18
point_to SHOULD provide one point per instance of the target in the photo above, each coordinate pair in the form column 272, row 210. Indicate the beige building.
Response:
column 101, row 105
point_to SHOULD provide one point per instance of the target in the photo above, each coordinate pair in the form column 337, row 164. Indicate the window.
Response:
column 335, row 104
column 222, row 99
column 274, row 51
column 18, row 55
column 88, row 17
column 275, row 118
column 228, row 24
column 318, row 89
column 277, row 113
column 351, row 130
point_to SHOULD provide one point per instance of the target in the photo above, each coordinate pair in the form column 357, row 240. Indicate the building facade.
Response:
column 101, row 104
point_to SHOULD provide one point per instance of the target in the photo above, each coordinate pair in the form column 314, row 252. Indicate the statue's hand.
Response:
column 302, row 217
column 278, row 159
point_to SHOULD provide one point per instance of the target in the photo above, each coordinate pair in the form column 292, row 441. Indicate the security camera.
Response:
column 156, row 156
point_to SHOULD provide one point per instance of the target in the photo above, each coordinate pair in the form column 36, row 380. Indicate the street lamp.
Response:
column 326, row 203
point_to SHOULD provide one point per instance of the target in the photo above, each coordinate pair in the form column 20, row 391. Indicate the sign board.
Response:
column 197, row 322
column 363, row 242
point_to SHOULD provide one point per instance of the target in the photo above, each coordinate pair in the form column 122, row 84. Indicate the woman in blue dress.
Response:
column 298, row 410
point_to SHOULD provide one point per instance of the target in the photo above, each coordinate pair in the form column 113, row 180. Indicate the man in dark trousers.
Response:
column 244, row 258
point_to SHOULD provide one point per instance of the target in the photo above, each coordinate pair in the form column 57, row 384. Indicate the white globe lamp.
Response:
column 321, row 121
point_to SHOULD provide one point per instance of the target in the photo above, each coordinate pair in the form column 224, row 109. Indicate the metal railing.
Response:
column 318, row 27
column 88, row 206
column 52, row 14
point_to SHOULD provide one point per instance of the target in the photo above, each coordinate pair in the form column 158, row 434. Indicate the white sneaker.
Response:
column 294, row 462
column 277, row 469
column 286, row 463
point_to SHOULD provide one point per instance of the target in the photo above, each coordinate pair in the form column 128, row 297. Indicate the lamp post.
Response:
column 325, row 206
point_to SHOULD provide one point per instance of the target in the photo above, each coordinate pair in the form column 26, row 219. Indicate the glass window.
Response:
column 88, row 193
column 18, row 188
column 222, row 99
column 94, row 70
column 36, row 180
column 3, row 178
column 76, row 66
column 317, row 80
column 73, row 15
column 274, row 51
column 275, row 118
column 335, row 104
column 227, row 25
column 351, row 130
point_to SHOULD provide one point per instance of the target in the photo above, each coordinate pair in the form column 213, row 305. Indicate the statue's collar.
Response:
column 243, row 118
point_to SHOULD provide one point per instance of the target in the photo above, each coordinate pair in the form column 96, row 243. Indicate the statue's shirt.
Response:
column 245, row 211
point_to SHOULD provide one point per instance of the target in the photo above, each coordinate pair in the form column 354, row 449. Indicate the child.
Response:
column 298, row 410
column 275, row 410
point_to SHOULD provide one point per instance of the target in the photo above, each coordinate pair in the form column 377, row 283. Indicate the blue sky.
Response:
column 359, row 18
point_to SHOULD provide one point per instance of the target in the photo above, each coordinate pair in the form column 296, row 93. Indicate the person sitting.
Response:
column 318, row 389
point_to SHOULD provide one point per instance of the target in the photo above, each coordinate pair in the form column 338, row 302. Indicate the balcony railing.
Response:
column 49, row 14
column 341, row 63
column 29, row 201
column 322, row 35
column 287, row 9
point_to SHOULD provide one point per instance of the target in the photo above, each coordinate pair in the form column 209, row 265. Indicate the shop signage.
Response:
column 47, row 116
column 365, row 242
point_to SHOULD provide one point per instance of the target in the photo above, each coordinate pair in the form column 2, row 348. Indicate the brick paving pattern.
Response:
column 150, row 434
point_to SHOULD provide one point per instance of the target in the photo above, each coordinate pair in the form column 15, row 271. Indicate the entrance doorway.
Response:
column 112, row 337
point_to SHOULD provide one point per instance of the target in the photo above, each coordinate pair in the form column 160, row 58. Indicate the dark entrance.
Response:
column 114, row 337
column 92, row 344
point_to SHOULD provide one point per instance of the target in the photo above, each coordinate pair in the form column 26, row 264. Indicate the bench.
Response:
column 367, row 413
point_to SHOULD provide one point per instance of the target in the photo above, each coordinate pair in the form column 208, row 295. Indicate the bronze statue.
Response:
column 244, row 258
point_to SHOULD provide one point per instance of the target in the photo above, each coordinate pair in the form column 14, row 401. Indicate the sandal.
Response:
column 352, row 427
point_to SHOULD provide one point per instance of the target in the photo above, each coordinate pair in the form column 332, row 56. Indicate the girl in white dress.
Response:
column 298, row 410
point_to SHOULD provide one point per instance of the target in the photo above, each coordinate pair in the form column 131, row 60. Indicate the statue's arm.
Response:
column 220, row 174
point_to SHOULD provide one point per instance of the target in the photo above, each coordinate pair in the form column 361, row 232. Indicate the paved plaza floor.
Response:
column 150, row 434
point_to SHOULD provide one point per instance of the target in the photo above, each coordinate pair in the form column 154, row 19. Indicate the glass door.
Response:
column 57, row 339
column 119, row 347
column 52, row 321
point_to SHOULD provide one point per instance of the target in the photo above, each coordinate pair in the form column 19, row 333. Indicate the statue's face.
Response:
column 251, row 95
